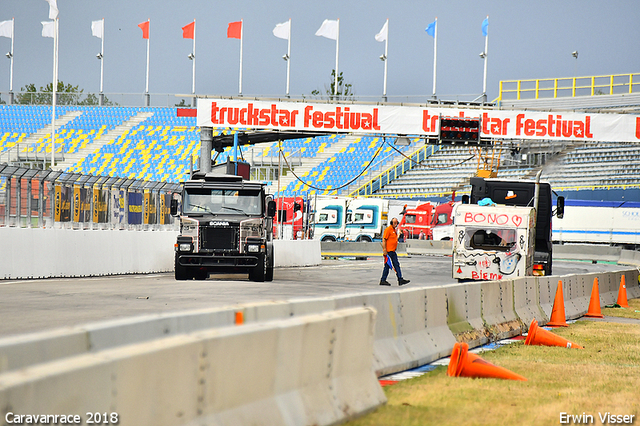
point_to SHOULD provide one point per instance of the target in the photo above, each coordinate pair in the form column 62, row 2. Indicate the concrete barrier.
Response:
column 296, row 253
column 591, row 252
column 526, row 301
column 48, row 252
column 44, row 253
column 464, row 313
column 429, row 247
column 305, row 370
column 498, row 312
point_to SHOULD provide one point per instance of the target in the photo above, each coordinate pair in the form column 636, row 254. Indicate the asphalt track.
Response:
column 38, row 305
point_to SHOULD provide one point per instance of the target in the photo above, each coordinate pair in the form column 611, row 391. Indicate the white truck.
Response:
column 367, row 219
column 493, row 242
column 330, row 219
column 350, row 219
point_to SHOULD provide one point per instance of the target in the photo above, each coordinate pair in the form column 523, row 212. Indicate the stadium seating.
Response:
column 155, row 144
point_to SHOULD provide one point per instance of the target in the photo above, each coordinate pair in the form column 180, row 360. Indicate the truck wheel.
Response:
column 364, row 239
column 329, row 238
column 269, row 275
column 259, row 273
column 180, row 271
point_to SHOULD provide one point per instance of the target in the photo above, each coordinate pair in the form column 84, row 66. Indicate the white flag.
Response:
column 53, row 8
column 382, row 35
column 6, row 28
column 282, row 30
column 328, row 29
column 48, row 29
column 97, row 28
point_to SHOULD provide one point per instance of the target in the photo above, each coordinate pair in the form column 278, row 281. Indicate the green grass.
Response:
column 603, row 377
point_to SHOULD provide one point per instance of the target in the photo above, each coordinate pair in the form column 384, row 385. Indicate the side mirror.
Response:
column 560, row 207
column 174, row 207
column 465, row 199
column 271, row 208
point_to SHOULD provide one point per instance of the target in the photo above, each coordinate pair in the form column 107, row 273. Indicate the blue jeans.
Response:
column 394, row 260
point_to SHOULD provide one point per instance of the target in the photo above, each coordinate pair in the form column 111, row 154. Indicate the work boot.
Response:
column 402, row 281
column 384, row 282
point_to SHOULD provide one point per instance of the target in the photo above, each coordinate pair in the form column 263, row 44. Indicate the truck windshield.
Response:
column 491, row 239
column 222, row 201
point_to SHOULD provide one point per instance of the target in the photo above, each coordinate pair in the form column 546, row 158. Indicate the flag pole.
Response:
column 13, row 24
column 146, row 90
column 386, row 46
column 193, row 72
column 288, row 56
column 435, row 56
column 54, row 87
column 102, row 65
column 484, row 81
column 241, row 40
column 335, row 92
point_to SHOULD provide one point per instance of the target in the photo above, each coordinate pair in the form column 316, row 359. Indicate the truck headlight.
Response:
column 253, row 248
column 184, row 247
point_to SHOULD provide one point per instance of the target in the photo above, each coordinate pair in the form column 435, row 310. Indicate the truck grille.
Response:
column 219, row 238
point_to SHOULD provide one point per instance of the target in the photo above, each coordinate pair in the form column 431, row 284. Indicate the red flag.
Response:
column 234, row 30
column 189, row 30
column 145, row 29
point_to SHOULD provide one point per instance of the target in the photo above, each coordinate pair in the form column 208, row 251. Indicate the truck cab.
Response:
column 366, row 219
column 493, row 242
column 330, row 219
column 226, row 225
column 523, row 193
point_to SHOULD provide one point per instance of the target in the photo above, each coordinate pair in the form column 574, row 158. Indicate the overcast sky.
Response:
column 527, row 40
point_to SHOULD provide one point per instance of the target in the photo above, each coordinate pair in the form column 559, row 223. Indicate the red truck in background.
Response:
column 416, row 222
column 442, row 222
column 428, row 222
column 290, row 223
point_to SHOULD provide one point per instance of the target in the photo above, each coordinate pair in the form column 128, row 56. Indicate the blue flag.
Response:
column 431, row 29
column 485, row 26
column 387, row 260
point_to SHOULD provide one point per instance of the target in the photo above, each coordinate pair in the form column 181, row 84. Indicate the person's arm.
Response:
column 384, row 243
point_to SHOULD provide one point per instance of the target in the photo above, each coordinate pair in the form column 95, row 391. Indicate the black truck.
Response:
column 226, row 226
column 522, row 193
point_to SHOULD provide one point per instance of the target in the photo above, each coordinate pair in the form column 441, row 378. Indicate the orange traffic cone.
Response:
column 465, row 364
column 622, row 294
column 594, row 304
column 558, row 318
column 541, row 337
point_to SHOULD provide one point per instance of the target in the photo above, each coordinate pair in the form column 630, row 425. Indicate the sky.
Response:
column 526, row 40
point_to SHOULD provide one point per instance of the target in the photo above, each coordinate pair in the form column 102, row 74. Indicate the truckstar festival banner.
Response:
column 414, row 120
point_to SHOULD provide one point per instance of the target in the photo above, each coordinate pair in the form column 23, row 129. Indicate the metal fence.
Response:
column 31, row 198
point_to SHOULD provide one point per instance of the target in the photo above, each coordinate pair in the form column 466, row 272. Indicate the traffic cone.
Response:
column 558, row 319
column 594, row 304
column 541, row 337
column 622, row 294
column 465, row 364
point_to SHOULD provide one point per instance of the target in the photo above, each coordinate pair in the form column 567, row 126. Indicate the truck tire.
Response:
column 181, row 272
column 364, row 239
column 259, row 273
column 269, row 275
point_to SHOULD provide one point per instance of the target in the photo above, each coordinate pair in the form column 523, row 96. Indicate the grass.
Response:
column 603, row 377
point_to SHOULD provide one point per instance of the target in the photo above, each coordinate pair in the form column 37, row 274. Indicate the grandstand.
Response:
column 154, row 144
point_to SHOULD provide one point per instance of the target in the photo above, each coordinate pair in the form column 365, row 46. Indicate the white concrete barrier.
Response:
column 304, row 370
column 498, row 312
column 464, row 313
column 296, row 253
column 48, row 252
column 44, row 253
column 526, row 301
